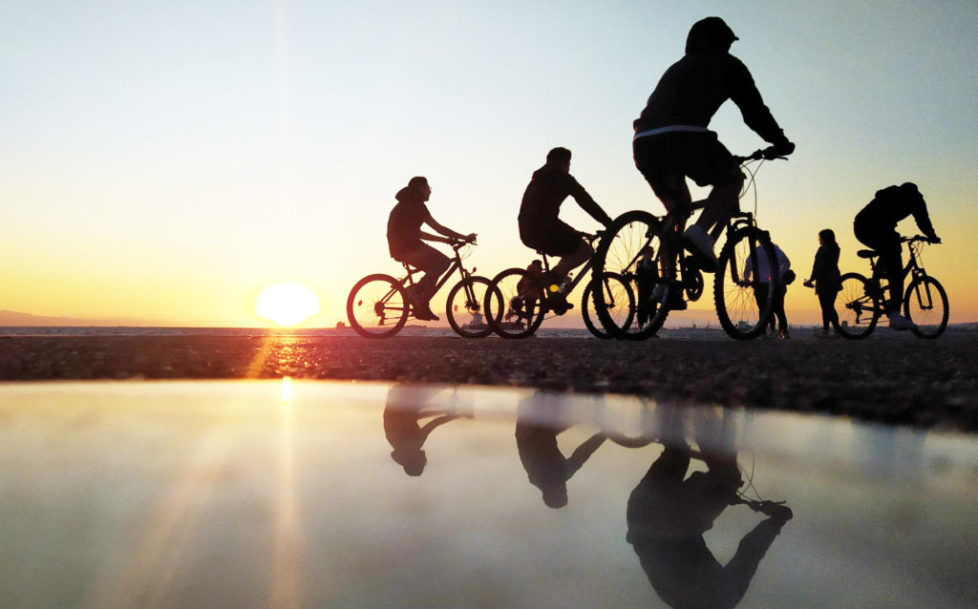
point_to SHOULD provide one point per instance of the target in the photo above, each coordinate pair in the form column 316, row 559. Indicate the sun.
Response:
column 286, row 304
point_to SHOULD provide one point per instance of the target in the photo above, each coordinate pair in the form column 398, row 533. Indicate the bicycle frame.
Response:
column 913, row 270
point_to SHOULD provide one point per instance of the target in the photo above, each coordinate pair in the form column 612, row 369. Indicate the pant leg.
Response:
column 826, row 300
column 779, row 308
column 886, row 241
column 432, row 262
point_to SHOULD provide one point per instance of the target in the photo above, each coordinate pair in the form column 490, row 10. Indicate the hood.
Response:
column 710, row 34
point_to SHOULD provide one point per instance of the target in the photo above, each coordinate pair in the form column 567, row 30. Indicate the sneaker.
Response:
column 783, row 334
column 700, row 245
column 899, row 322
column 676, row 300
column 557, row 303
column 423, row 312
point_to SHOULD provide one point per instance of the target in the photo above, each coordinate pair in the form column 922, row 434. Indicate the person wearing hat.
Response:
column 405, row 240
column 672, row 141
column 875, row 226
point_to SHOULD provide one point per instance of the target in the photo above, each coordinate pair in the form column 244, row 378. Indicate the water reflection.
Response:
column 546, row 466
column 669, row 512
column 407, row 406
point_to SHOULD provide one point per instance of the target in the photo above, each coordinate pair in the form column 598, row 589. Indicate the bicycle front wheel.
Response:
column 858, row 308
column 465, row 307
column 631, row 249
column 377, row 306
column 744, row 300
column 925, row 305
column 514, row 304
column 617, row 297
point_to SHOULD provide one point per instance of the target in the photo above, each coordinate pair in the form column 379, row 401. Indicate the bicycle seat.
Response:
column 867, row 253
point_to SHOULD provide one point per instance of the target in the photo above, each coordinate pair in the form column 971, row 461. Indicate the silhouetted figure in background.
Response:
column 761, row 289
column 542, row 230
column 403, row 413
column 825, row 278
column 875, row 226
column 404, row 238
column 672, row 141
column 537, row 427
column 668, row 514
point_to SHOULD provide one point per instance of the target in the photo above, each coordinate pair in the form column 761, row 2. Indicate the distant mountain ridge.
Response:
column 17, row 319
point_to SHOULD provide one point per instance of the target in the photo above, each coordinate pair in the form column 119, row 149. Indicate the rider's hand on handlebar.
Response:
column 779, row 150
column 935, row 239
column 470, row 238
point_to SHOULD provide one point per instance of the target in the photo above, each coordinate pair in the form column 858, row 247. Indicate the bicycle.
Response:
column 519, row 300
column 379, row 305
column 744, row 300
column 864, row 301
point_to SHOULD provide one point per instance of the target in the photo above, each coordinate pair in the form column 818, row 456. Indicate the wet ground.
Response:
column 290, row 493
column 891, row 377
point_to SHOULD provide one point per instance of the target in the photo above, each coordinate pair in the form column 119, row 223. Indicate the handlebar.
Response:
column 917, row 238
column 768, row 154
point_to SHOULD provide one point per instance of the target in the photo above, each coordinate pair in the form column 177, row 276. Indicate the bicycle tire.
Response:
column 510, row 313
column 471, row 305
column 613, row 283
column 369, row 302
column 860, row 308
column 928, row 321
column 618, row 254
column 736, row 297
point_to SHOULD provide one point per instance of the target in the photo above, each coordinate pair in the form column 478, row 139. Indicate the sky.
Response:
column 167, row 161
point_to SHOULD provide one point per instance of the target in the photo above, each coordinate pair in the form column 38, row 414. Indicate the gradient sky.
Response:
column 167, row 161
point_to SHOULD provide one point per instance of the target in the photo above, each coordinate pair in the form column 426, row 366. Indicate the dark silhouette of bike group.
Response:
column 640, row 266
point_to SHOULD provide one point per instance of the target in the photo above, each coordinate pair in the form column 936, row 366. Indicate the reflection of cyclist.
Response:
column 875, row 226
column 540, row 227
column 761, row 288
column 672, row 141
column 402, row 416
column 668, row 514
column 536, row 440
column 404, row 238
column 825, row 278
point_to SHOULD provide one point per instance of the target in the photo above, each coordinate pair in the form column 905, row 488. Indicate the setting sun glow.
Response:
column 286, row 304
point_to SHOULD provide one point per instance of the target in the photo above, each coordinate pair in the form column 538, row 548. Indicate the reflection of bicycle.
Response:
column 863, row 301
column 379, row 305
column 520, row 300
column 744, row 300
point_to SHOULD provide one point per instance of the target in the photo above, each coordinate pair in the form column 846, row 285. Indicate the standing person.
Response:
column 541, row 229
column 825, row 278
column 672, row 142
column 875, row 226
column 404, row 239
column 761, row 289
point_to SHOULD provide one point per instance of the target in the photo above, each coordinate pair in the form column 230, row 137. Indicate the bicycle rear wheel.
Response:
column 514, row 304
column 620, row 253
column 858, row 309
column 617, row 297
column 377, row 306
column 745, row 300
column 465, row 307
column 925, row 305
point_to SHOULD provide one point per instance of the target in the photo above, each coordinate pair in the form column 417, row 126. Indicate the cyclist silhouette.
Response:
column 406, row 407
column 875, row 226
column 672, row 142
column 542, row 230
column 404, row 239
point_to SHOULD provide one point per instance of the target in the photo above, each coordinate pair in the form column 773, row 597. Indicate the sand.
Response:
column 896, row 380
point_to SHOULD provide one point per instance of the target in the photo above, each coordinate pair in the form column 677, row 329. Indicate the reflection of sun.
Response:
column 286, row 304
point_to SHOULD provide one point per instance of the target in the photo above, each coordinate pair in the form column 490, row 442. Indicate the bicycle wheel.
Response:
column 859, row 310
column 377, row 306
column 619, row 299
column 620, row 253
column 514, row 304
column 925, row 305
column 744, row 300
column 465, row 307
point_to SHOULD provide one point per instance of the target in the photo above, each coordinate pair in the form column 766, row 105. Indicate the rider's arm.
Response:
column 756, row 114
column 586, row 202
column 922, row 218
column 430, row 221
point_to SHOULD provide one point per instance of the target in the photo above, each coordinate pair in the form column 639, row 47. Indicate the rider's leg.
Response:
column 433, row 263
column 581, row 254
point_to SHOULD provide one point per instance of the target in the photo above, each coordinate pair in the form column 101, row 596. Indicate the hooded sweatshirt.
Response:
column 404, row 222
column 693, row 89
